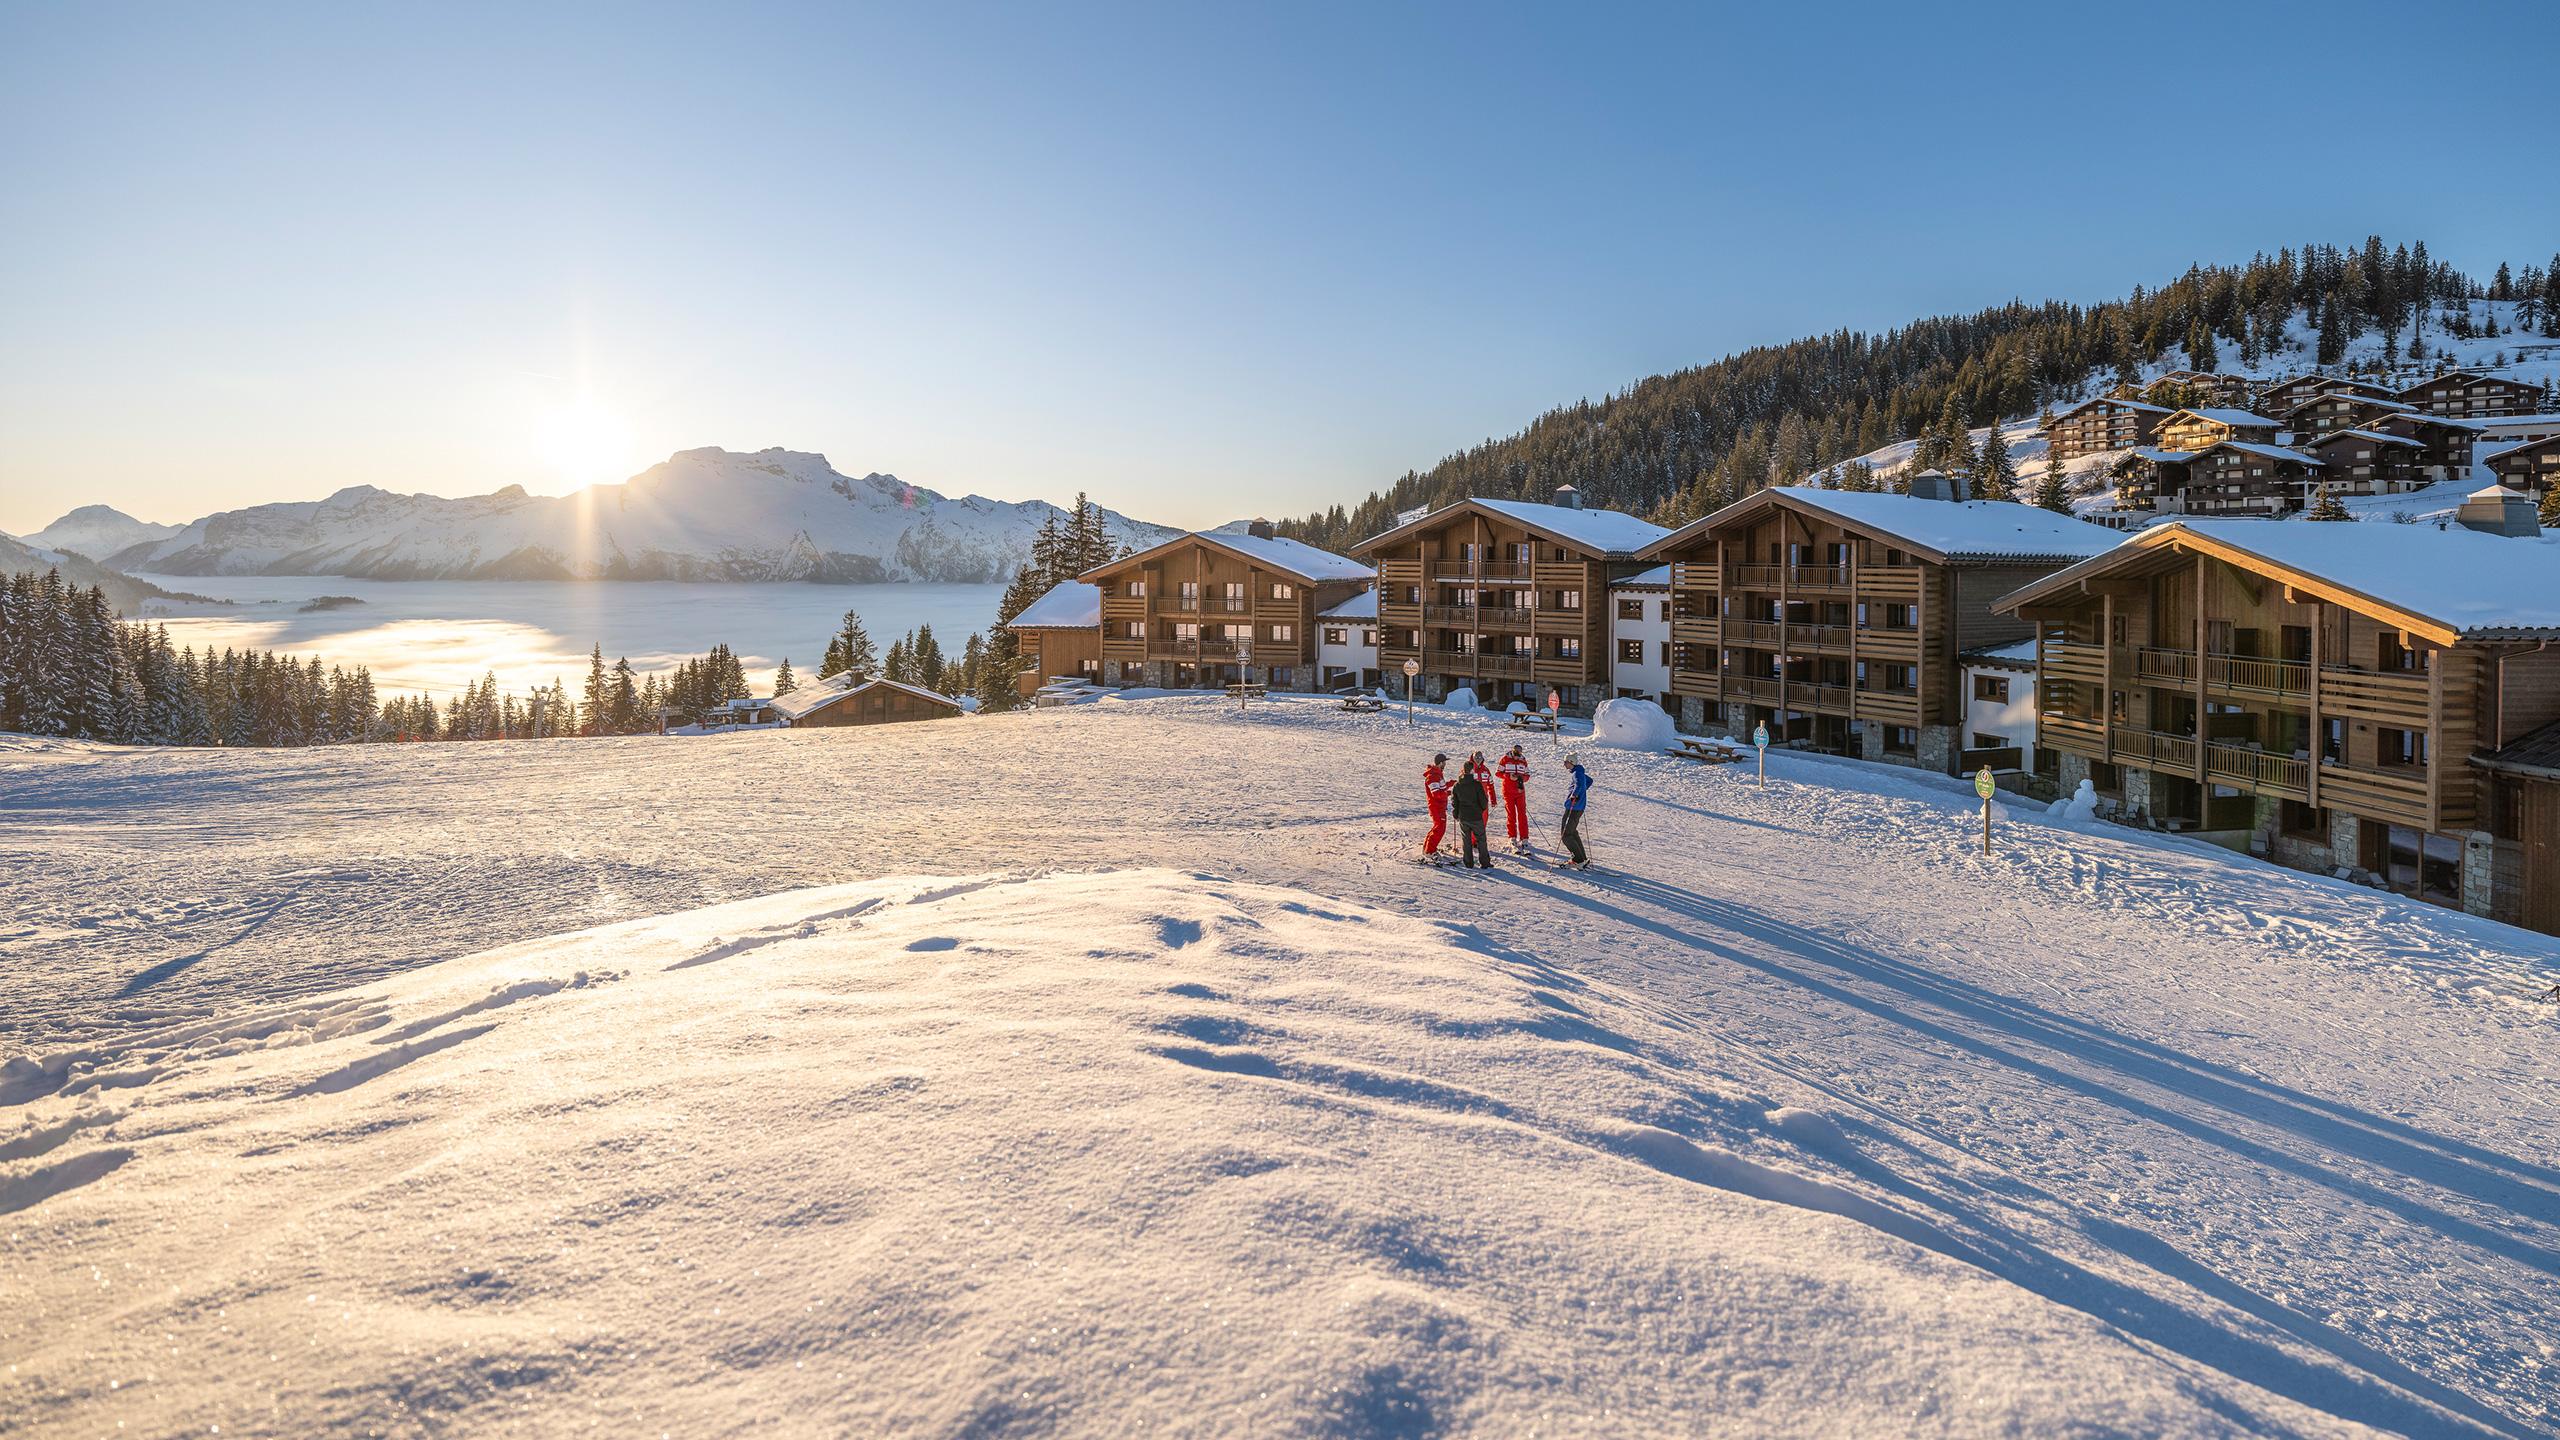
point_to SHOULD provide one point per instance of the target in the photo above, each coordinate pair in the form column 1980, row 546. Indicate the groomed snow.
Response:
column 1183, row 1102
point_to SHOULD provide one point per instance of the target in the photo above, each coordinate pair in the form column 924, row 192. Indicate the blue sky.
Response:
column 1200, row 260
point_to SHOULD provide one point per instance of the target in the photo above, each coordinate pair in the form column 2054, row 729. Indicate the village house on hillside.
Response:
column 2110, row 422
column 2371, row 697
column 2282, row 395
column 2465, row 394
column 1505, row 597
column 859, row 700
column 1839, row 619
column 1059, row 635
column 1220, row 607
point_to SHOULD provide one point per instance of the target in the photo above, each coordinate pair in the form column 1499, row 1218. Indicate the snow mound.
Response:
column 1632, row 725
column 1462, row 698
column 2078, row 807
column 1134, row 1152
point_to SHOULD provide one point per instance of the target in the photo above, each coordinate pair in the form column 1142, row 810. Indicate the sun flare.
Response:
column 584, row 443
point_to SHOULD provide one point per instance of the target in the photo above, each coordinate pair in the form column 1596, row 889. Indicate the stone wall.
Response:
column 2479, row 872
column 1939, row 748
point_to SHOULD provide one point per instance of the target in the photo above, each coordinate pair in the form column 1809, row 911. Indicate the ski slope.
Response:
column 999, row 1076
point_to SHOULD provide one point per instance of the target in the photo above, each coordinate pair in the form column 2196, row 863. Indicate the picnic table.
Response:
column 1705, row 752
column 1533, row 720
column 1249, row 690
column 1363, row 704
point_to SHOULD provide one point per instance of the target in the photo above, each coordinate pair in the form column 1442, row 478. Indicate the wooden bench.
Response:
column 1363, row 704
column 1534, row 720
column 1249, row 691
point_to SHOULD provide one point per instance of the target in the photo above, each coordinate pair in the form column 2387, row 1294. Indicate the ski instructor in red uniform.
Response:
column 1435, row 793
column 1514, row 770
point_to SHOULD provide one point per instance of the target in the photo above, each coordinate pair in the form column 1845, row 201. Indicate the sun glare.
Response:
column 584, row 443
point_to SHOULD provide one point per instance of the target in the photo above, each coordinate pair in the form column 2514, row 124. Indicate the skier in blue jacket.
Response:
column 1577, row 792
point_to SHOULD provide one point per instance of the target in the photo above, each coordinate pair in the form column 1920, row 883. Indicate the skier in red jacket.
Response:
column 1435, row 793
column 1514, row 770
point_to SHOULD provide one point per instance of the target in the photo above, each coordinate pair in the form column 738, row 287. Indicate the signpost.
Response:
column 1983, row 785
column 1555, row 717
column 1411, row 669
column 1760, row 737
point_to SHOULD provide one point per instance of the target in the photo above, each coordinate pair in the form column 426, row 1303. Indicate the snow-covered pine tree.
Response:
column 1995, row 476
column 2328, row 507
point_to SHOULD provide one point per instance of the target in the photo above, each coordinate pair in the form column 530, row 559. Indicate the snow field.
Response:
column 1806, row 1118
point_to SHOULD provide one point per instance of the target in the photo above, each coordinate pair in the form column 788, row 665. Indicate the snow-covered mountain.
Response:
column 98, row 531
column 706, row 514
column 123, row 591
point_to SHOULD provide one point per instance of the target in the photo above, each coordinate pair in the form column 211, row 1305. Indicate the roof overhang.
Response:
column 1210, row 539
column 1471, row 506
column 2162, row 547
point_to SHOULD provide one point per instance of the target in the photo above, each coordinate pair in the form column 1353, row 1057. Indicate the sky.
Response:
column 1199, row 261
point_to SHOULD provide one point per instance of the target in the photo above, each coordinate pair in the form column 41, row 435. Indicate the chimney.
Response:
column 2498, row 511
column 1932, row 485
column 1568, row 498
column 1258, row 529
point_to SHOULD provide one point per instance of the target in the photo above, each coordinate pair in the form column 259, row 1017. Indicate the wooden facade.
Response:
column 2463, row 395
column 2334, row 410
column 2108, row 423
column 1838, row 633
column 2192, row 430
column 2232, row 478
column 1207, row 610
column 1057, row 651
column 2366, row 462
column 2205, row 687
column 1500, row 598
column 2283, row 395
column 2531, row 468
column 2444, row 446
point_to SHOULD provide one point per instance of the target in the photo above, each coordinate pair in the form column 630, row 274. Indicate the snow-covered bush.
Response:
column 1631, row 725
column 1462, row 698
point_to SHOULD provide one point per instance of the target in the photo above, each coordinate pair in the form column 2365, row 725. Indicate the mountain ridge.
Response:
column 705, row 513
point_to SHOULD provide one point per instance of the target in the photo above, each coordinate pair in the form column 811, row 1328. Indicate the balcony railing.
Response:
column 1478, row 662
column 1480, row 617
column 2258, row 769
column 2155, row 749
column 2265, row 677
column 1491, row 571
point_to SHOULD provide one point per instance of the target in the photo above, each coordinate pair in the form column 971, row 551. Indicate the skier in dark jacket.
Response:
column 1577, row 795
column 1468, row 803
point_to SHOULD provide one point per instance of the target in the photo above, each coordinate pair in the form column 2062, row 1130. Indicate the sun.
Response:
column 584, row 443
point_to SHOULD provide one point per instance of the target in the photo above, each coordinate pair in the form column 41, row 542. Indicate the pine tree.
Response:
column 1995, row 476
column 999, row 680
column 896, row 667
column 924, row 658
column 2049, row 492
column 2549, row 511
column 850, row 652
column 2327, row 507
column 784, row 682
column 599, row 707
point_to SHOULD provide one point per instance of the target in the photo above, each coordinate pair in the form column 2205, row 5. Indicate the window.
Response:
column 1986, row 741
column 1901, row 740
column 1663, row 653
column 1135, row 630
column 2397, row 747
column 1282, row 590
column 1234, row 633
column 1568, row 648
column 1190, row 594
column 2303, row 822
column 1568, row 599
column 1336, row 637
column 1235, row 595
column 1994, row 688
column 1630, row 652
column 2398, row 655
column 1284, row 634
column 1369, row 638
column 1185, row 631
column 1630, row 609
column 1137, row 590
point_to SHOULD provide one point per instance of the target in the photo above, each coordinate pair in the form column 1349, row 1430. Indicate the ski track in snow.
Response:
column 2274, row 1128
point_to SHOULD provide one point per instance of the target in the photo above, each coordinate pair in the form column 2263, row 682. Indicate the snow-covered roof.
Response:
column 1362, row 606
column 2271, row 452
column 1272, row 552
column 1611, row 532
column 2021, row 653
column 2486, row 453
column 1951, row 530
column 1657, row 578
column 1603, row 532
column 2373, row 437
column 2506, row 424
column 2165, row 457
column 2143, row 405
column 2449, row 581
column 809, row 698
column 2224, row 416
column 1069, row 605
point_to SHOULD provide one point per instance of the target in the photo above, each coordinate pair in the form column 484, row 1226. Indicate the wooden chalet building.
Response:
column 2333, row 696
column 1059, row 635
column 2205, row 387
column 2444, row 446
column 2463, row 394
column 1839, row 619
column 1505, row 597
column 2283, row 395
column 2365, row 462
column 2195, row 429
column 850, row 699
column 2529, row 467
column 2110, row 422
column 2333, row 410
column 1211, row 609
column 2229, row 477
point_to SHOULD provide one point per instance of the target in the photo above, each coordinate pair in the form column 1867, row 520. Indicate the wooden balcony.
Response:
column 2397, row 794
column 1488, row 572
column 1751, row 688
column 2389, row 698
column 2284, row 776
column 2086, row 664
column 1508, row 619
column 1818, row 637
column 1490, row 666
column 2154, row 749
column 1762, row 634
column 1704, row 630
column 2249, row 675
column 1695, row 575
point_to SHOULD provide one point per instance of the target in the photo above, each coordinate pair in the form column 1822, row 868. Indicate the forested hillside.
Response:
column 1676, row 446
